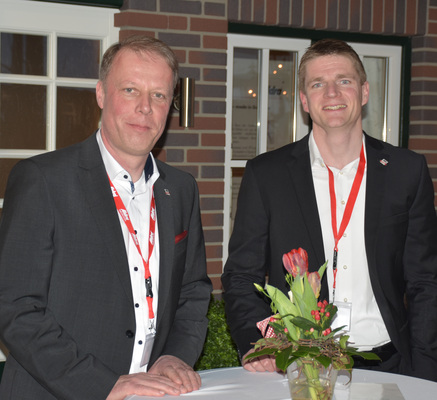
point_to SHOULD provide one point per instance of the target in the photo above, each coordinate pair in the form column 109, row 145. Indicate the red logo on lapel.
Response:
column 181, row 236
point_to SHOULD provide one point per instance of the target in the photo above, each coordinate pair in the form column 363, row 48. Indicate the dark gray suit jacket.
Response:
column 66, row 306
column 277, row 211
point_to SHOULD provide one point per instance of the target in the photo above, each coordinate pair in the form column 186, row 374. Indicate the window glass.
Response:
column 23, row 54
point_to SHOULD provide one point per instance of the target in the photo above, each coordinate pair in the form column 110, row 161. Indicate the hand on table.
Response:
column 169, row 375
column 259, row 364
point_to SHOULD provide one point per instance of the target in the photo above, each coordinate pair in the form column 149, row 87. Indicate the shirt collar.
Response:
column 114, row 169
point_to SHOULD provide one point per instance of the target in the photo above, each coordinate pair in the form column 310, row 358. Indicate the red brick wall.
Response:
column 196, row 30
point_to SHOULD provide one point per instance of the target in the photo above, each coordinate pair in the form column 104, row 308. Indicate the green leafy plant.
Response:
column 219, row 350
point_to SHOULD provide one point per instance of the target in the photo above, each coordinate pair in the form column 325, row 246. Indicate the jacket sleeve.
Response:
column 420, row 272
column 35, row 339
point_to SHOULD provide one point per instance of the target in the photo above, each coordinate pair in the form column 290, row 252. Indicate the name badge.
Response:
column 150, row 340
column 343, row 317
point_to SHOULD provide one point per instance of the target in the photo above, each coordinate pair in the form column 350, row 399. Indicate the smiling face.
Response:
column 333, row 94
column 135, row 100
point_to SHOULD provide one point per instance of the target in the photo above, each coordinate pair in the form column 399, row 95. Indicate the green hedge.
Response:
column 219, row 350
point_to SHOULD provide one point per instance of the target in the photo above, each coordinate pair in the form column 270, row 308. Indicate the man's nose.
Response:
column 145, row 104
column 331, row 89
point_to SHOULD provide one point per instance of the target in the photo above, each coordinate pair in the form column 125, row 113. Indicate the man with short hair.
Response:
column 103, row 284
column 385, row 260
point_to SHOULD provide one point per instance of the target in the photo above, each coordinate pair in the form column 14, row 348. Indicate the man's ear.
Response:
column 100, row 94
column 304, row 101
column 365, row 91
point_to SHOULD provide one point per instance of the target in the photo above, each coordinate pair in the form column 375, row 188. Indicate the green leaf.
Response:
column 305, row 324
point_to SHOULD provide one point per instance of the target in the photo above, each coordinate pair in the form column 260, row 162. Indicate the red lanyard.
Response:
column 125, row 216
column 348, row 210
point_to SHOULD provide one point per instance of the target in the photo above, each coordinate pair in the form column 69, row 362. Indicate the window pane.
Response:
column 22, row 116
column 23, row 54
column 6, row 165
column 282, row 67
column 374, row 121
column 78, row 115
column 245, row 103
column 78, row 58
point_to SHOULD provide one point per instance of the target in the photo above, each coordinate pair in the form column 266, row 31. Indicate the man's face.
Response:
column 333, row 94
column 135, row 101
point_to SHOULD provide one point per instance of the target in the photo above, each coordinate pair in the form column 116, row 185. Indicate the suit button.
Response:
column 129, row 334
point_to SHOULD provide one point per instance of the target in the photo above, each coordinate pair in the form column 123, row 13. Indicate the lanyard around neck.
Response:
column 348, row 210
column 152, row 225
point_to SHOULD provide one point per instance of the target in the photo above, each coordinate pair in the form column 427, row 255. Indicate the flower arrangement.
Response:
column 300, row 329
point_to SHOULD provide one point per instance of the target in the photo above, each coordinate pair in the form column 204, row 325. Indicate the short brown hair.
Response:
column 139, row 44
column 328, row 47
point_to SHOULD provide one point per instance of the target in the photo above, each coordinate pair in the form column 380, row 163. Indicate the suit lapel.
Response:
column 96, row 189
column 164, row 211
column 299, row 168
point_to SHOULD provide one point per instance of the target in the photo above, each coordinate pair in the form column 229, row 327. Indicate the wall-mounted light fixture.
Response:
column 186, row 102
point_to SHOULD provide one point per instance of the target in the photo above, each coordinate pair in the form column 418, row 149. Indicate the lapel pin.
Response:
column 167, row 192
column 383, row 162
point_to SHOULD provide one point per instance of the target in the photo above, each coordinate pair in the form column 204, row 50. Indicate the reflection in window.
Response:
column 374, row 113
column 78, row 58
column 77, row 115
column 23, row 54
column 237, row 176
column 246, row 77
column 282, row 70
column 23, row 116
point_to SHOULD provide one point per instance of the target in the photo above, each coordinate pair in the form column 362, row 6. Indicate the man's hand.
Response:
column 178, row 372
column 143, row 384
column 259, row 364
column 169, row 375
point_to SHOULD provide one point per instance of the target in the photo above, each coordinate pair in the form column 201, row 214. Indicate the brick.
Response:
column 432, row 28
column 431, row 158
column 175, row 155
column 400, row 17
column 145, row 5
column 354, row 15
column 215, row 219
column 213, row 251
column 124, row 33
column 296, row 12
column 159, row 154
column 211, row 91
column 423, row 100
column 366, row 18
column 389, row 10
column 343, row 17
column 246, row 10
column 411, row 20
column 213, row 235
column 208, row 58
column 214, row 74
column 209, row 25
column 308, row 14
column 421, row 143
column 216, row 283
column 233, row 8
column 211, row 123
column 422, row 129
column 141, row 20
column 215, row 9
column 211, row 203
column 215, row 42
column 181, row 6
column 213, row 107
column 189, row 72
column 215, row 267
column 425, row 71
column 378, row 9
column 212, row 172
column 284, row 12
column 181, row 55
column 205, row 156
column 213, row 139
column 271, row 13
column 258, row 11
column 182, row 139
column 180, row 39
column 211, row 187
column 176, row 22
column 332, row 14
column 320, row 22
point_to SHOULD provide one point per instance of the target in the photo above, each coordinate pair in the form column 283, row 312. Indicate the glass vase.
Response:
column 309, row 380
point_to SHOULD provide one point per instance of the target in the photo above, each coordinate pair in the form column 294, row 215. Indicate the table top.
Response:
column 239, row 384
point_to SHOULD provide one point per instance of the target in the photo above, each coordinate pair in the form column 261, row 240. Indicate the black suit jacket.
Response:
column 277, row 211
column 66, row 305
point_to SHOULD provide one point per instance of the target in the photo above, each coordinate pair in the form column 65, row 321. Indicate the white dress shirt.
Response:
column 136, row 197
column 367, row 328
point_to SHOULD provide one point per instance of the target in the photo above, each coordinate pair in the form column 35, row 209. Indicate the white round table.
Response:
column 238, row 384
